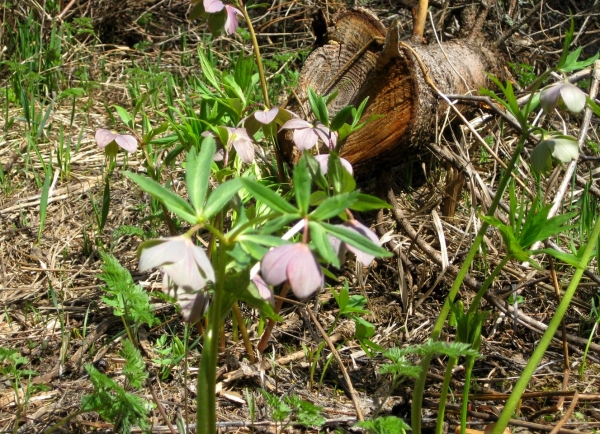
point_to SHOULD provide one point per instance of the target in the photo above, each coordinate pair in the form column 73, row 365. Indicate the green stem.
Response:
column 259, row 65
column 439, row 325
column 487, row 283
column 206, row 416
column 439, row 428
column 546, row 339
column 465, row 399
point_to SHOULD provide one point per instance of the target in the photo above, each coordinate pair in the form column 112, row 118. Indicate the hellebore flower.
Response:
column 242, row 143
column 186, row 264
column 263, row 289
column 323, row 160
column 193, row 304
column 220, row 154
column 231, row 21
column 266, row 117
column 109, row 140
column 561, row 148
column 570, row 95
column 296, row 264
column 341, row 247
column 306, row 134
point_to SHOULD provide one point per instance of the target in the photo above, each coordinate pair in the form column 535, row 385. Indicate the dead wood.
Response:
column 362, row 59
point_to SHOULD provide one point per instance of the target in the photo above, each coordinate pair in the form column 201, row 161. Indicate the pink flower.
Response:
column 266, row 118
column 105, row 137
column 216, row 6
column 570, row 95
column 238, row 137
column 323, row 160
column 341, row 247
column 306, row 134
column 263, row 289
column 296, row 264
column 185, row 263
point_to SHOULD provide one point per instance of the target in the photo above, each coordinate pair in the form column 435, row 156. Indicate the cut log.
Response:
column 363, row 59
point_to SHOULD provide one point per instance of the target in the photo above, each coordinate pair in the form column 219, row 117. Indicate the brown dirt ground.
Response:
column 405, row 293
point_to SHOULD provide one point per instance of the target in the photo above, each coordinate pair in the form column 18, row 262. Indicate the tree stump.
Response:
column 362, row 59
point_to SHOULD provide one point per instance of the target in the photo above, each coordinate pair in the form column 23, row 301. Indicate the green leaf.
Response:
column 567, row 258
column 334, row 205
column 134, row 369
column 207, row 69
column 125, row 117
column 566, row 45
column 366, row 202
column 173, row 202
column 268, row 197
column 317, row 104
column 220, row 196
column 341, row 117
column 321, row 242
column 302, row 183
column 355, row 239
column 197, row 172
column 263, row 240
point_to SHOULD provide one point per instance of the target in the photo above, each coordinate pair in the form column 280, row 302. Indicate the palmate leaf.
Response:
column 173, row 202
column 198, row 172
column 355, row 239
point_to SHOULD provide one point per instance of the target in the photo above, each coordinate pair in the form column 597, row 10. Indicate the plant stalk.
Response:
column 206, row 415
column 536, row 357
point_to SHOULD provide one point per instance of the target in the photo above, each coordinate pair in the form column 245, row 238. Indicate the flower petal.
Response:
column 273, row 266
column 204, row 264
column 186, row 273
column 304, row 272
column 295, row 123
column 104, row 137
column 266, row 116
column 363, row 257
column 127, row 142
column 212, row 6
column 154, row 253
column 573, row 97
column 263, row 289
column 231, row 23
column 326, row 136
column 323, row 160
column 304, row 138
column 549, row 97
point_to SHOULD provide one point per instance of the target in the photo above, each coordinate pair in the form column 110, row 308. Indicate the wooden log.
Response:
column 363, row 59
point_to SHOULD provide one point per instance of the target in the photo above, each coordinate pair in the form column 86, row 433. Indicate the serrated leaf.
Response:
column 173, row 202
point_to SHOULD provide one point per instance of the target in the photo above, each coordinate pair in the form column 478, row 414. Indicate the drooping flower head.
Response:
column 238, row 137
column 222, row 16
column 296, row 264
column 111, row 142
column 566, row 93
column 185, row 263
column 323, row 160
column 186, row 271
column 306, row 135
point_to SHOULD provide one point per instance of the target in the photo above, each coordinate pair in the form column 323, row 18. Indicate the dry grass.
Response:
column 404, row 293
